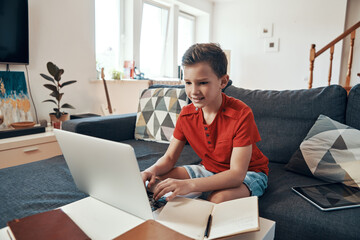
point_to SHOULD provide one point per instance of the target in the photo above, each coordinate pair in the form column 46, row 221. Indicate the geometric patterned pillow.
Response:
column 331, row 152
column 158, row 110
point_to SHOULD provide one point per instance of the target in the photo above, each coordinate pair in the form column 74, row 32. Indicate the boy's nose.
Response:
column 194, row 89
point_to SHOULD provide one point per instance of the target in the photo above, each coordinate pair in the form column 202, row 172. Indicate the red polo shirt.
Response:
column 233, row 126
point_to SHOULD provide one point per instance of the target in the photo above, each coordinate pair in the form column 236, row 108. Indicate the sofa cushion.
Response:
column 285, row 117
column 353, row 108
column 158, row 111
column 330, row 151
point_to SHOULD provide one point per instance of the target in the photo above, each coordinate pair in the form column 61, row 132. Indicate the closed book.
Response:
column 53, row 225
column 152, row 230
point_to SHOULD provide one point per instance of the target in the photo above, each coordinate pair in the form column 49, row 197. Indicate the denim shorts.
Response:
column 256, row 182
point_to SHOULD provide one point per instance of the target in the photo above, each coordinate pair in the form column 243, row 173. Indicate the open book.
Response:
column 190, row 217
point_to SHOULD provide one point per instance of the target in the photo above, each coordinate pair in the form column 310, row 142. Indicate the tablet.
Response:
column 330, row 196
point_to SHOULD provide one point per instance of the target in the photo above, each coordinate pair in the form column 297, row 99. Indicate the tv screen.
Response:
column 14, row 32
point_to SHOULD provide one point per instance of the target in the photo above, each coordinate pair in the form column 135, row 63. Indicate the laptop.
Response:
column 106, row 170
column 330, row 196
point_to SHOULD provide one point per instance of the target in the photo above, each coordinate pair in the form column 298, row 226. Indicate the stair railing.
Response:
column 331, row 45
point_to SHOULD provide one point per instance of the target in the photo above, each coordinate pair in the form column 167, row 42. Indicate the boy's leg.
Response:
column 229, row 194
column 254, row 184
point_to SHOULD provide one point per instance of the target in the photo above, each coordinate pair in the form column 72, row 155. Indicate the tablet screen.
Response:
column 330, row 196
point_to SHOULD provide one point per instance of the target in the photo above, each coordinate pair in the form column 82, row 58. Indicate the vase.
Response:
column 57, row 122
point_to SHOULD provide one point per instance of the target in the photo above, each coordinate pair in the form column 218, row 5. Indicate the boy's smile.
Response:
column 203, row 87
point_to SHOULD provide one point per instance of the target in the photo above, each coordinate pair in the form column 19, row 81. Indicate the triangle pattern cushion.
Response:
column 158, row 111
column 330, row 151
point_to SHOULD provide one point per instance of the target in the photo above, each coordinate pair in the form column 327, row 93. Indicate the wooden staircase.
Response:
column 331, row 46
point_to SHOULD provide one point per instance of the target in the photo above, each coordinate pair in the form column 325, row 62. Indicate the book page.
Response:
column 100, row 220
column 187, row 216
column 234, row 217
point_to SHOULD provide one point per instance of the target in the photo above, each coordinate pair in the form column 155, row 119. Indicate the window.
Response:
column 107, row 35
column 154, row 26
column 154, row 34
column 186, row 34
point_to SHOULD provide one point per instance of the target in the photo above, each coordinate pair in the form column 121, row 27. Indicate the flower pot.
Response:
column 57, row 122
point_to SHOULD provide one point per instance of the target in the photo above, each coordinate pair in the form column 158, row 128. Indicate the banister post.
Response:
column 348, row 75
column 312, row 59
column 331, row 59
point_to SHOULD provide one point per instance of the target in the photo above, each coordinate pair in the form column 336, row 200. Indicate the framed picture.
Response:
column 271, row 44
column 265, row 30
column 14, row 99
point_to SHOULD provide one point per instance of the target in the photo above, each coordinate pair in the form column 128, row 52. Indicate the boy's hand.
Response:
column 148, row 176
column 176, row 186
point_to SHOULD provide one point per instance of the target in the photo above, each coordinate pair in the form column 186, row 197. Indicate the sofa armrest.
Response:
column 114, row 127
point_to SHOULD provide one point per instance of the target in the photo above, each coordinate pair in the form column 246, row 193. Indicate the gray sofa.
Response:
column 283, row 119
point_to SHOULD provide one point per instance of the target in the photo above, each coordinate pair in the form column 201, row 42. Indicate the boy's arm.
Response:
column 165, row 163
column 234, row 177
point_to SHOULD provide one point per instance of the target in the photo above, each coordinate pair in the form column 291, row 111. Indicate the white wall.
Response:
column 297, row 24
column 353, row 16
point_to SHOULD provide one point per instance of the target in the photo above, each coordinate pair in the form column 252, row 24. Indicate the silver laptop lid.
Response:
column 106, row 170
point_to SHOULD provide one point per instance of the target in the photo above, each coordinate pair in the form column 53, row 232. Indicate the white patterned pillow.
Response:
column 330, row 151
column 158, row 110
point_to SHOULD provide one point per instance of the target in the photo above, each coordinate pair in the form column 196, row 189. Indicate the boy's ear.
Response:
column 224, row 81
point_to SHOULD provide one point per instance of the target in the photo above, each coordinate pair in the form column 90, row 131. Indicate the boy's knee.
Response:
column 217, row 197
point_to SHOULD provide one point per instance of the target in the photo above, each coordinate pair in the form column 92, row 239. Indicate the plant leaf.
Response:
column 50, row 100
column 51, row 87
column 66, row 105
column 68, row 83
column 52, row 68
column 57, row 95
column 47, row 77
column 58, row 74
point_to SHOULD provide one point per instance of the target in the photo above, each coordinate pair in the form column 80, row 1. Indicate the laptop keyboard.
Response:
column 155, row 204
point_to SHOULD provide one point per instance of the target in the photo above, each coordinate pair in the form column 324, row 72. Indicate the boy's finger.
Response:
column 161, row 192
column 151, row 181
column 171, row 197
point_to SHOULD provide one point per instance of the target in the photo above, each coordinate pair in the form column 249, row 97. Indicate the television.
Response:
column 14, row 32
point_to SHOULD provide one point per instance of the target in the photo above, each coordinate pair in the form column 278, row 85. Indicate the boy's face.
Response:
column 202, row 85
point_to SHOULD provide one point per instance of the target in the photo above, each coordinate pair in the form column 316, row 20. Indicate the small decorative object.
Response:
column 129, row 69
column 57, row 116
column 21, row 125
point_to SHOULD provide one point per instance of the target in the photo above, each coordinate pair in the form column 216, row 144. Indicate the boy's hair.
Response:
column 210, row 53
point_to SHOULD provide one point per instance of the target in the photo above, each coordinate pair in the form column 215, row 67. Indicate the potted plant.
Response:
column 55, row 86
column 116, row 75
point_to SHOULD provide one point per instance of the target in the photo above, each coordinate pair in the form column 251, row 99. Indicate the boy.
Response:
column 220, row 129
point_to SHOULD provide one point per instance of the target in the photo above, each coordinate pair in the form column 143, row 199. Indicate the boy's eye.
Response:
column 203, row 83
column 187, row 83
